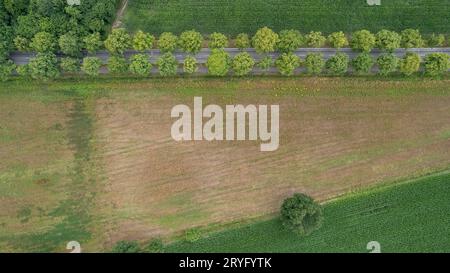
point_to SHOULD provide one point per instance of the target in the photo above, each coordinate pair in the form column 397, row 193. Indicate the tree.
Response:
column 287, row 63
column 190, row 65
column 140, row 65
column 387, row 63
column 388, row 40
column 155, row 246
column 436, row 40
column 337, row 40
column 363, row 63
column 118, row 41
column 218, row 63
column 363, row 40
column 190, row 41
column 338, row 64
column 411, row 38
column 301, row 214
column 43, row 42
column 143, row 41
column 436, row 64
column 126, row 247
column 22, row 44
column 117, row 65
column 218, row 40
column 410, row 64
column 44, row 67
column 265, row 40
column 168, row 65
column 70, row 44
column 265, row 64
column 93, row 42
column 23, row 70
column 314, row 63
column 167, row 42
column 315, row 39
column 91, row 66
column 70, row 65
column 242, row 41
column 6, row 68
column 243, row 64
column 289, row 41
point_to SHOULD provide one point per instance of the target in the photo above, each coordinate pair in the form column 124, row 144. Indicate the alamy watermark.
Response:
column 190, row 124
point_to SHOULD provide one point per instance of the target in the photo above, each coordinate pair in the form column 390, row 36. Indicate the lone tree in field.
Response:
column 301, row 214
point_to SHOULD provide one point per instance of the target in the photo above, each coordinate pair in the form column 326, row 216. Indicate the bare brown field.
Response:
column 336, row 136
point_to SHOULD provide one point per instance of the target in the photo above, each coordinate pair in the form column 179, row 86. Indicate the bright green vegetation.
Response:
column 233, row 17
column 409, row 217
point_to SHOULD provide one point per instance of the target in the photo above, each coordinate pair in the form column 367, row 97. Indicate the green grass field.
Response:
column 409, row 217
column 237, row 16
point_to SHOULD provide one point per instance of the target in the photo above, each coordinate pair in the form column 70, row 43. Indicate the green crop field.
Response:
column 237, row 16
column 409, row 217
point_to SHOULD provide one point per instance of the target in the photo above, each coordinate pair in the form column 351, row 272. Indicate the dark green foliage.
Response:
column 117, row 65
column 70, row 65
column 126, row 247
column 44, row 67
column 338, row 64
column 314, row 63
column 289, row 41
column 243, row 64
column 167, row 65
column 387, row 64
column 287, row 63
column 436, row 64
column 363, row 63
column 155, row 246
column 91, row 66
column 301, row 214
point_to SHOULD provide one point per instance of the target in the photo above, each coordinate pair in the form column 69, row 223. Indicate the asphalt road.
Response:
column 21, row 58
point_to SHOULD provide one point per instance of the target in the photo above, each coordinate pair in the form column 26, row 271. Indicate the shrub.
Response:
column 388, row 40
column 118, row 41
column 315, row 39
column 265, row 40
column 117, row 65
column 387, row 63
column 155, row 246
column 218, row 40
column 190, row 65
column 410, row 64
column 301, row 214
column 314, row 63
column 69, row 44
column 265, row 63
column 242, row 41
column 91, row 66
column 93, row 42
column 363, row 40
column 140, row 65
column 21, row 43
column 23, row 70
column 289, row 41
column 243, row 64
column 6, row 68
column 363, row 63
column 167, row 42
column 44, row 67
column 338, row 64
column 436, row 64
column 143, row 41
column 126, row 247
column 218, row 63
column 192, row 235
column 70, row 65
column 167, row 64
column 411, row 38
column 287, row 63
column 191, row 41
column 436, row 40
column 43, row 42
column 337, row 40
